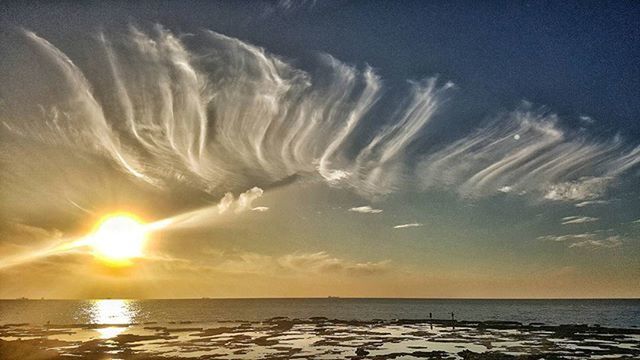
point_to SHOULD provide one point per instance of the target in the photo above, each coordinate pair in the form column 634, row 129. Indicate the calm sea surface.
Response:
column 614, row 313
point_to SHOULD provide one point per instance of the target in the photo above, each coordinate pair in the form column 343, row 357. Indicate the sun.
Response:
column 118, row 238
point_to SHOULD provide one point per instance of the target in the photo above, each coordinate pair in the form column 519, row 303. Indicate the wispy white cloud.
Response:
column 299, row 264
column 365, row 210
column 410, row 225
column 584, row 188
column 596, row 239
column 225, row 203
column 273, row 120
column 568, row 237
column 321, row 262
column 527, row 151
column 205, row 215
column 609, row 242
column 243, row 203
column 247, row 198
column 591, row 202
column 260, row 208
column 294, row 5
column 588, row 120
column 578, row 219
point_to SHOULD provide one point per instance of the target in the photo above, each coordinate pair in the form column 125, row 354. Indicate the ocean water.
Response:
column 611, row 313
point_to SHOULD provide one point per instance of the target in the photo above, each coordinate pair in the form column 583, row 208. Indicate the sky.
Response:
column 311, row 149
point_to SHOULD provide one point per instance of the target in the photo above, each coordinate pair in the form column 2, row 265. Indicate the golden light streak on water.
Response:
column 111, row 312
column 110, row 332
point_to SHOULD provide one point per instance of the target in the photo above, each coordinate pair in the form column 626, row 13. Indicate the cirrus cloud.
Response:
column 365, row 210
column 609, row 242
column 410, row 225
column 578, row 219
column 298, row 263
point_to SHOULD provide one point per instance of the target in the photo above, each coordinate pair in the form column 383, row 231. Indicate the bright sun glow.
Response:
column 119, row 238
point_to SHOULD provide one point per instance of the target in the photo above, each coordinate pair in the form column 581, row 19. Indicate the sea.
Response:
column 620, row 313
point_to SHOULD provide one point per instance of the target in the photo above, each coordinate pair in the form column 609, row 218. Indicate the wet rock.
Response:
column 26, row 350
column 265, row 341
column 470, row 355
column 331, row 339
column 433, row 355
column 283, row 325
column 499, row 325
column 216, row 331
column 129, row 338
column 276, row 319
column 361, row 352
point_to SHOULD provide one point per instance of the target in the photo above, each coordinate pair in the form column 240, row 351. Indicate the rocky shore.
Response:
column 318, row 338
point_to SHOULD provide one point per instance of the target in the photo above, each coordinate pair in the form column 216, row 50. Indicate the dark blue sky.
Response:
column 577, row 58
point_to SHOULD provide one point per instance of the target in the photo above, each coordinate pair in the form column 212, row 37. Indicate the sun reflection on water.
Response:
column 111, row 312
column 110, row 332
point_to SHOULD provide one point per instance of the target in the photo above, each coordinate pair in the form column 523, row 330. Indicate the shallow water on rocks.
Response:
column 316, row 339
